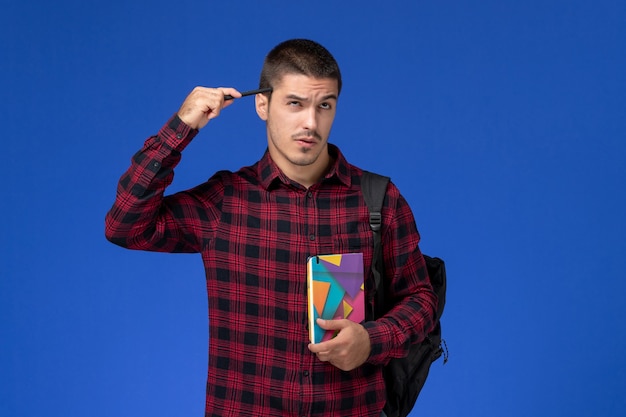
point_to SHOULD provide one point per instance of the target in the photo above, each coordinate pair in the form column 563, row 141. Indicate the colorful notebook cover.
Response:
column 335, row 291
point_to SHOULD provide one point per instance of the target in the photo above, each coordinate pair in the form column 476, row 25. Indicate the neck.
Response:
column 305, row 175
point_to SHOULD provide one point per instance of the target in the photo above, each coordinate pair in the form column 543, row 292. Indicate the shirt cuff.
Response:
column 379, row 342
column 176, row 134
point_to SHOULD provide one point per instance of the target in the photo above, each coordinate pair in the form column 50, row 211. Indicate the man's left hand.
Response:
column 348, row 350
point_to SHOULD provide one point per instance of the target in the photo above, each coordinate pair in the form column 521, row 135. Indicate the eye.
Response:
column 293, row 103
column 325, row 106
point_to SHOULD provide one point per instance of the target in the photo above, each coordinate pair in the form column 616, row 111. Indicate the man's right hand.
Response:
column 204, row 104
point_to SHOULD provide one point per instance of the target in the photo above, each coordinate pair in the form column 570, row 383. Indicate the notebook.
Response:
column 335, row 291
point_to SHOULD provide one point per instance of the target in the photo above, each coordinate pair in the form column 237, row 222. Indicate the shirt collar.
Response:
column 269, row 173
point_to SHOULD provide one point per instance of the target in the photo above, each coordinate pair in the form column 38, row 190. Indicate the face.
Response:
column 299, row 118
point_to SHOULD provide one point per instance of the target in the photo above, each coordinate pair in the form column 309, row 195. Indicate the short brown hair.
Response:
column 299, row 56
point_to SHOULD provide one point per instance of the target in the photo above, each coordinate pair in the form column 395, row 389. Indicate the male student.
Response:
column 255, row 229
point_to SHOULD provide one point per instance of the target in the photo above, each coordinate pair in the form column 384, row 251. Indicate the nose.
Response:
column 310, row 118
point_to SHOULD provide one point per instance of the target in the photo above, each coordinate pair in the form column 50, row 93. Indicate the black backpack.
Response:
column 404, row 377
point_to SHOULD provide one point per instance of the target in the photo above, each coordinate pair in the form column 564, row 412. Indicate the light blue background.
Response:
column 502, row 122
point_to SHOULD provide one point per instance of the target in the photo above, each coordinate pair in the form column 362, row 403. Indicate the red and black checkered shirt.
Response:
column 255, row 229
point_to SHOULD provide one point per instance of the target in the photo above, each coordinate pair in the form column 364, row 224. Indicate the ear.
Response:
column 261, row 102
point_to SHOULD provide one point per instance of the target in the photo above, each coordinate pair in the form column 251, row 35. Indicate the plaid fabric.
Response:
column 255, row 230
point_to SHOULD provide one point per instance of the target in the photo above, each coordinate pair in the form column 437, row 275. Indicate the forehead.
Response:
column 305, row 85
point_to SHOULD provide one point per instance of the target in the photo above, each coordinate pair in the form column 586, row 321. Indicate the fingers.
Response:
column 333, row 348
column 204, row 104
column 331, row 344
column 323, row 352
column 348, row 350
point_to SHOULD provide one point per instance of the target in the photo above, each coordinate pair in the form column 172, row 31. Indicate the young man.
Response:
column 255, row 229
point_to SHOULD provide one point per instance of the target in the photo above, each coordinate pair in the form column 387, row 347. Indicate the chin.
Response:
column 302, row 162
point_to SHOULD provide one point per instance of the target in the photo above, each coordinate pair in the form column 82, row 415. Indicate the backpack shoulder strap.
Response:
column 374, row 189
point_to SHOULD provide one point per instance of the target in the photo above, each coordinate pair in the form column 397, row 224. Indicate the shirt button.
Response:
column 305, row 373
column 156, row 164
column 309, row 194
column 179, row 136
column 311, row 237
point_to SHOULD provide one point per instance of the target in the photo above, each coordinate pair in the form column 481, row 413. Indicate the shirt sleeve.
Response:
column 410, row 293
column 141, row 217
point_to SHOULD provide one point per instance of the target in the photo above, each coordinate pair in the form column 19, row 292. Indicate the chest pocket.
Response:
column 354, row 234
column 356, row 237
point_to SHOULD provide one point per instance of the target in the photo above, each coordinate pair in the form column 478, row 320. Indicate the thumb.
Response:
column 331, row 324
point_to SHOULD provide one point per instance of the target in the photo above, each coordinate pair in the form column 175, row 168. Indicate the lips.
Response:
column 311, row 136
column 305, row 142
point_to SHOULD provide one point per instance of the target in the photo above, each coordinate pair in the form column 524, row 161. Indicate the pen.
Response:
column 249, row 93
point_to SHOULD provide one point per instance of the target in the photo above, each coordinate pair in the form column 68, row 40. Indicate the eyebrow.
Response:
column 326, row 97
